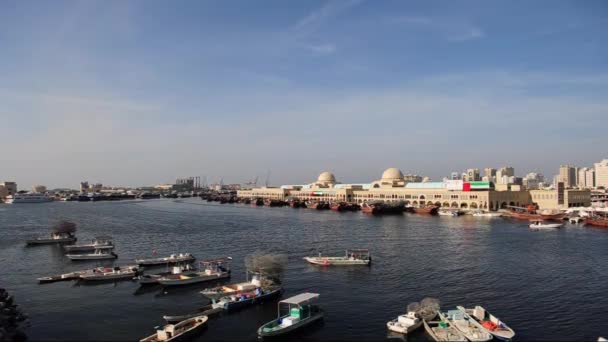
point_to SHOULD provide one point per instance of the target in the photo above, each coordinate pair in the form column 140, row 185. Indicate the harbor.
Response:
column 463, row 261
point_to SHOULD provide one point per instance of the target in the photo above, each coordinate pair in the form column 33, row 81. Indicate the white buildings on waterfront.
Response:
column 601, row 174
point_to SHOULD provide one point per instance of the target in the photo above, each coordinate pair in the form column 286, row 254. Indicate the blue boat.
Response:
column 239, row 301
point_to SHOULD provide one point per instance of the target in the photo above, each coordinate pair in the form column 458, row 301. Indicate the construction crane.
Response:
column 253, row 182
column 267, row 182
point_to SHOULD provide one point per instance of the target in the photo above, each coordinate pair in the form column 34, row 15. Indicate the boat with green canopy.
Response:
column 293, row 313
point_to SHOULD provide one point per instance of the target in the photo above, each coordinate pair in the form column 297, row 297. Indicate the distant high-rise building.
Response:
column 586, row 178
column 504, row 174
column 567, row 175
column 490, row 173
column 533, row 180
column 601, row 173
column 473, row 175
column 454, row 176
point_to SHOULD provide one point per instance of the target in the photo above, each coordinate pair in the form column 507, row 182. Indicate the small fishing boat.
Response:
column 111, row 273
column 256, row 281
column 172, row 259
column 482, row 213
column 532, row 213
column 575, row 219
column 597, row 221
column 428, row 210
column 243, row 299
column 63, row 232
column 293, row 313
column 351, row 257
column 412, row 320
column 540, row 224
column 100, row 242
column 147, row 279
column 470, row 328
column 99, row 254
column 448, row 212
column 62, row 277
column 442, row 331
column 490, row 323
column 210, row 270
column 178, row 332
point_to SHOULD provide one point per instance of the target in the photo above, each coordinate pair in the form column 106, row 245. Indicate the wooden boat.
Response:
column 211, row 270
column 181, row 331
column 531, row 213
column 296, row 204
column 428, row 210
column 540, row 224
column 337, row 206
column 99, row 254
column 351, row 257
column 62, row 277
column 257, row 202
column 101, row 242
column 442, row 331
column 293, row 313
column 63, row 232
column 312, row 205
column 254, row 280
column 147, row 279
column 381, row 208
column 597, row 221
column 243, row 299
column 490, row 323
column 172, row 319
column 172, row 259
column 273, row 203
column 111, row 273
column 470, row 328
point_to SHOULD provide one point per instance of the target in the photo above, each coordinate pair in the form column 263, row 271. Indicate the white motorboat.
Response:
column 442, row 331
column 490, row 323
column 404, row 324
column 447, row 212
column 351, row 257
column 110, row 273
column 63, row 232
column 211, row 270
column 256, row 281
column 145, row 279
column 100, row 242
column 32, row 197
column 172, row 259
column 99, row 254
column 181, row 331
column 470, row 328
column 539, row 224
column 489, row 214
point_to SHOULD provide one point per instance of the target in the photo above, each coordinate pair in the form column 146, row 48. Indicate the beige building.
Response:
column 392, row 187
column 601, row 174
column 7, row 189
column 561, row 199
column 567, row 175
column 586, row 178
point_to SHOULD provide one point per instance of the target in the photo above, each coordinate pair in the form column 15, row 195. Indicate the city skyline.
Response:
column 127, row 93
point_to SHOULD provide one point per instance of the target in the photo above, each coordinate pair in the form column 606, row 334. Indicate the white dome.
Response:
column 326, row 177
column 392, row 173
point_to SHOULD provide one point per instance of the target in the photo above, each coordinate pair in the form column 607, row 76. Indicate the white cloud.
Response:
column 449, row 28
column 322, row 49
column 318, row 17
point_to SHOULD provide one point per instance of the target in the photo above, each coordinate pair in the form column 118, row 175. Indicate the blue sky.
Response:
column 141, row 92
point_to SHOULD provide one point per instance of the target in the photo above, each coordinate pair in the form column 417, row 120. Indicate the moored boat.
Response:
column 448, row 212
column 531, row 213
column 597, row 221
column 470, row 328
column 442, row 331
column 111, row 273
column 489, row 214
column 427, row 210
column 100, row 242
column 98, row 254
column 146, row 279
column 210, row 270
column 172, row 259
column 540, row 224
column 63, row 232
column 181, row 331
column 426, row 310
column 243, row 299
column 490, row 323
column 293, row 313
column 381, row 208
column 32, row 197
column 351, row 257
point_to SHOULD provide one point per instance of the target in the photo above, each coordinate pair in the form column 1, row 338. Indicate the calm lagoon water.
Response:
column 547, row 285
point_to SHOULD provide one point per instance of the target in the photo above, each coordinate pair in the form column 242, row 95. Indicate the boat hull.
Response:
column 603, row 223
column 309, row 320
column 332, row 261
column 192, row 280
column 188, row 334
column 49, row 241
column 159, row 262
column 78, row 257
column 235, row 306
column 394, row 326
column 84, row 248
column 426, row 210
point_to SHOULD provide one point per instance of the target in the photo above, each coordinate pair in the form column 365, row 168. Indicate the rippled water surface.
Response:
column 547, row 285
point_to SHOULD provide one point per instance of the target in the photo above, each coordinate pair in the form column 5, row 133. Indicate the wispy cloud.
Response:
column 322, row 49
column 449, row 29
column 318, row 17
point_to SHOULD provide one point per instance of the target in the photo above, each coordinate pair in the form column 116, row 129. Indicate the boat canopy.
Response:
column 302, row 298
